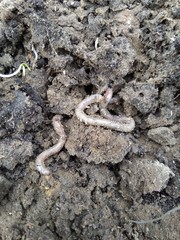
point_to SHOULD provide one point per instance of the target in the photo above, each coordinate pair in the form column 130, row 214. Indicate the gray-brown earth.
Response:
column 102, row 178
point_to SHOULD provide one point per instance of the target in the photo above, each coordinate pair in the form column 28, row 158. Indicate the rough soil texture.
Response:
column 102, row 178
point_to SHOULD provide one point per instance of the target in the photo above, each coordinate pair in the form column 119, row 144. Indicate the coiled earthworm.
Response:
column 125, row 124
column 59, row 129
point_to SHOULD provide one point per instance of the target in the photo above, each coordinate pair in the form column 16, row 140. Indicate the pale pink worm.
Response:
column 125, row 124
column 106, row 114
column 108, row 95
column 59, row 129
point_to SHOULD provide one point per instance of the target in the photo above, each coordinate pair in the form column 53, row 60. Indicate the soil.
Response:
column 102, row 178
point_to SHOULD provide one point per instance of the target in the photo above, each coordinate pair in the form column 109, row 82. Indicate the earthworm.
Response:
column 121, row 118
column 106, row 114
column 108, row 95
column 126, row 125
column 59, row 129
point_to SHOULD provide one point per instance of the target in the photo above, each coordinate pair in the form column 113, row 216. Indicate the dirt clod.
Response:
column 105, row 146
column 162, row 135
column 13, row 152
column 143, row 176
column 5, row 185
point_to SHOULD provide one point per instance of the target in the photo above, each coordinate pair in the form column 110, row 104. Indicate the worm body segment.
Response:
column 123, row 124
column 59, row 129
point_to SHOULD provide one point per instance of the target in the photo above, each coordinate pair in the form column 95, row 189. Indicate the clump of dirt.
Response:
column 96, row 145
column 162, row 135
column 102, row 179
column 143, row 176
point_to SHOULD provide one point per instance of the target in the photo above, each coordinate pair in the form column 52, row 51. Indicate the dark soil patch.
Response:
column 102, row 178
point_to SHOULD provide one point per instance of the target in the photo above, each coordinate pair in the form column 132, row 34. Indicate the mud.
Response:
column 102, row 178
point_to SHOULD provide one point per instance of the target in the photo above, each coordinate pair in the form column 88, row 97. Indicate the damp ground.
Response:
column 102, row 178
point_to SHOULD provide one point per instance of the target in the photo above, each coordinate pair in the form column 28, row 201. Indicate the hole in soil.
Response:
column 62, row 51
column 129, row 77
column 73, row 162
column 88, row 89
column 12, row 87
column 42, row 62
column 79, row 20
column 131, row 30
column 87, row 70
column 141, row 94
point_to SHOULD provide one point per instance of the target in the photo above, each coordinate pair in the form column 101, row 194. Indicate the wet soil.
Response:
column 102, row 178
